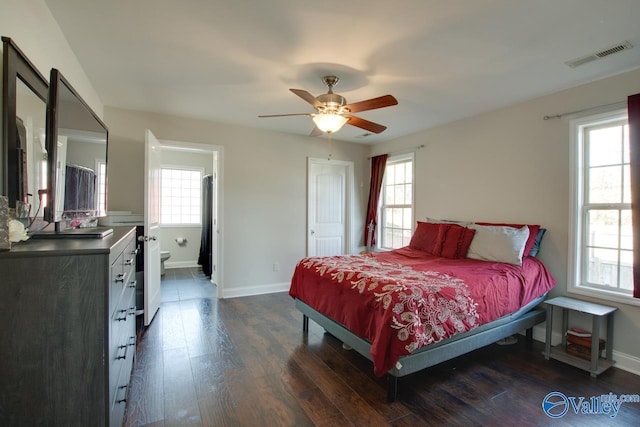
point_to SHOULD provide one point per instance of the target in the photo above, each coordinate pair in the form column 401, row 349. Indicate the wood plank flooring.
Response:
column 246, row 362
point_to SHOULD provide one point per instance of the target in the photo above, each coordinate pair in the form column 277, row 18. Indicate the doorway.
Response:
column 215, row 153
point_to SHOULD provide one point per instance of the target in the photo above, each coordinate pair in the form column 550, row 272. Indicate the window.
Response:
column 180, row 195
column 101, row 167
column 396, row 210
column 601, row 233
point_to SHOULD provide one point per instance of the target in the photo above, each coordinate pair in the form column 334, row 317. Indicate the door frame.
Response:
column 217, row 156
column 348, row 194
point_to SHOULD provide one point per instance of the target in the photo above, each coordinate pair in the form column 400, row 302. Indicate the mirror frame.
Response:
column 15, row 66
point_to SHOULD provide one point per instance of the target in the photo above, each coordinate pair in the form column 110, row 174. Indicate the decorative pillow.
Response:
column 425, row 238
column 531, row 240
column 498, row 243
column 536, row 246
column 455, row 240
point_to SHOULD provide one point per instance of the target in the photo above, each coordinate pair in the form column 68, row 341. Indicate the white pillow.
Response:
column 498, row 243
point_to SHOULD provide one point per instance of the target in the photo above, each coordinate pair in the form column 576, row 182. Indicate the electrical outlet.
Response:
column 276, row 266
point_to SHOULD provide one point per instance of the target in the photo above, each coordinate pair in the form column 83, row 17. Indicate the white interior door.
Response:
column 328, row 207
column 152, row 295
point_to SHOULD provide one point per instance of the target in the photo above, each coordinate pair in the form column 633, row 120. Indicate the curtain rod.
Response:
column 403, row 151
column 558, row 116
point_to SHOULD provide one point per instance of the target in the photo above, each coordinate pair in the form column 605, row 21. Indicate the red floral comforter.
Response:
column 405, row 299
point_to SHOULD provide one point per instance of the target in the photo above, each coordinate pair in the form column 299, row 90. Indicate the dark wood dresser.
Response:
column 67, row 330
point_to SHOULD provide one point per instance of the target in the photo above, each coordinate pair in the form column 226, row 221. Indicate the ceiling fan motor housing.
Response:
column 332, row 102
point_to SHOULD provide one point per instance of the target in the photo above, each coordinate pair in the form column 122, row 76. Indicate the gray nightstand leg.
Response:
column 547, row 343
column 595, row 345
column 609, row 344
column 565, row 326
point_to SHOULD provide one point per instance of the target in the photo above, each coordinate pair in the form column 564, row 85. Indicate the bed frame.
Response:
column 524, row 319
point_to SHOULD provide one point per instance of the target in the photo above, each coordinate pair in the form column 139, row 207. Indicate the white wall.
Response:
column 32, row 27
column 264, row 186
column 511, row 165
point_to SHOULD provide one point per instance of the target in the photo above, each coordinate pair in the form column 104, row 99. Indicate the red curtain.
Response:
column 634, row 147
column 378, row 163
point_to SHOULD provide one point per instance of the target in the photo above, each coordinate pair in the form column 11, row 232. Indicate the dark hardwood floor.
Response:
column 246, row 362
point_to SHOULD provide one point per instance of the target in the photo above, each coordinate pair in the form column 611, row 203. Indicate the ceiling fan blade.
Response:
column 365, row 124
column 372, row 104
column 307, row 97
column 285, row 115
column 316, row 131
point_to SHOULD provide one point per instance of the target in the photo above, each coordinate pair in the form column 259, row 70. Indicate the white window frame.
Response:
column 184, row 168
column 577, row 239
column 100, row 165
column 380, row 229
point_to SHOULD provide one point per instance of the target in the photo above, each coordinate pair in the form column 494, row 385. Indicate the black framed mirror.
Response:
column 23, row 153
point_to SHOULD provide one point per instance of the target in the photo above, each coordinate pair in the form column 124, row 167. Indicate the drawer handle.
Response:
column 124, row 399
column 132, row 284
column 128, row 262
column 124, row 315
column 134, row 252
column 120, row 277
column 132, row 341
column 124, row 355
column 132, row 311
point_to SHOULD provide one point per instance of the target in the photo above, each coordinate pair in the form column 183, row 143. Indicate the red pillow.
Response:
column 455, row 241
column 531, row 240
column 425, row 238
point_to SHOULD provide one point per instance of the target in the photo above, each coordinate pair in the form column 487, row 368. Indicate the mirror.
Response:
column 23, row 154
column 30, row 121
column 76, row 140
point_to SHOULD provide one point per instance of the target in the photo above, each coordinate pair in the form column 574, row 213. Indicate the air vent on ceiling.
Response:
column 364, row 135
column 600, row 54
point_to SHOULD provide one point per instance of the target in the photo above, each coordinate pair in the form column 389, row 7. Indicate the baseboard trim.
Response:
column 247, row 291
column 180, row 264
column 624, row 361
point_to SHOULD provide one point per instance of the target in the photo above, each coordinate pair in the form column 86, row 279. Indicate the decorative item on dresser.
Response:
column 68, row 330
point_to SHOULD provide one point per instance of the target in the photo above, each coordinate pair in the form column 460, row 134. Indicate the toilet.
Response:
column 164, row 255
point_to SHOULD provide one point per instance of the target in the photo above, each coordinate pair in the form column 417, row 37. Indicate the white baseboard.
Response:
column 180, row 264
column 246, row 291
column 624, row 361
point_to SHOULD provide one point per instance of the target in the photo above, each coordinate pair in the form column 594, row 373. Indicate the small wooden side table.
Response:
column 596, row 365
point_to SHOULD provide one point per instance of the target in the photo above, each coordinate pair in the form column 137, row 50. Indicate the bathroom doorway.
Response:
column 181, row 243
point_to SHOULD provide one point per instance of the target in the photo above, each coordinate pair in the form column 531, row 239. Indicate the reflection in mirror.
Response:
column 77, row 145
column 30, row 122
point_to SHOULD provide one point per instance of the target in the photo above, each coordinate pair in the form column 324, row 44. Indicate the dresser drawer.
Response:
column 118, row 280
column 123, row 273
column 122, row 342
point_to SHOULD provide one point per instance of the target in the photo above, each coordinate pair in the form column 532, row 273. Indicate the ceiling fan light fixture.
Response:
column 329, row 123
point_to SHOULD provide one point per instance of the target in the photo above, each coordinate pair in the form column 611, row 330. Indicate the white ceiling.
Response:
column 231, row 60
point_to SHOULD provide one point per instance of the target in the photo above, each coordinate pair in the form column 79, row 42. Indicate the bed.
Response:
column 455, row 288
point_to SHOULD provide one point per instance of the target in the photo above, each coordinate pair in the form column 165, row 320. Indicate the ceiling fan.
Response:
column 333, row 112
